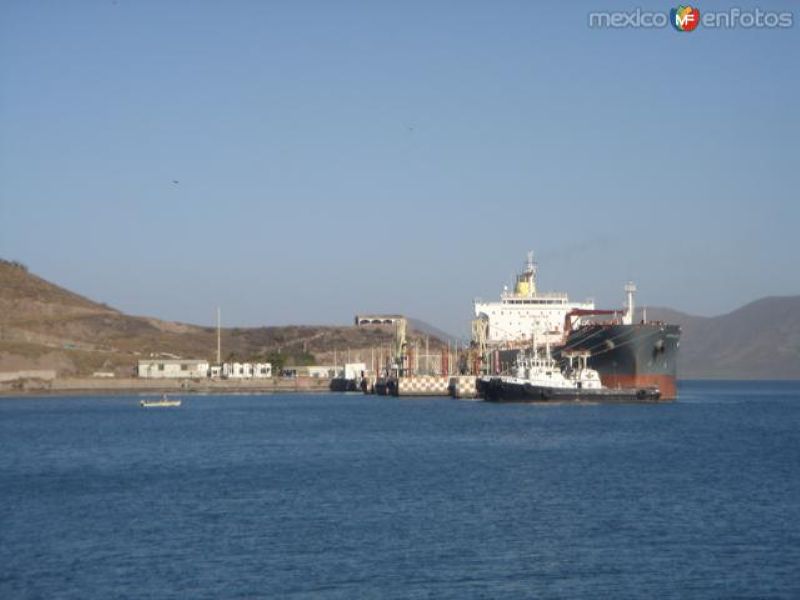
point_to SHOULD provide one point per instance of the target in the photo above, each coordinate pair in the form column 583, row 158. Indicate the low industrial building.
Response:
column 352, row 371
column 324, row 371
column 373, row 319
column 163, row 368
column 316, row 371
column 246, row 370
column 194, row 369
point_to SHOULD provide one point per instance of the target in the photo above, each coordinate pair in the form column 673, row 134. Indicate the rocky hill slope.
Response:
column 43, row 326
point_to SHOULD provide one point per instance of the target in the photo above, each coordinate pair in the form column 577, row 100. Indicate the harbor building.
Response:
column 372, row 319
column 321, row 371
column 352, row 371
column 246, row 370
column 316, row 371
column 161, row 368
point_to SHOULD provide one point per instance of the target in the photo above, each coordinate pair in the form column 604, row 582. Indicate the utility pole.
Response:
column 449, row 357
column 219, row 336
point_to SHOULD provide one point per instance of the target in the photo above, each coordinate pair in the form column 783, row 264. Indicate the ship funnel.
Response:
column 630, row 290
column 526, row 281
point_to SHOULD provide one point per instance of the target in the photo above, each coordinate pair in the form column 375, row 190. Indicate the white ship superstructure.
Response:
column 525, row 313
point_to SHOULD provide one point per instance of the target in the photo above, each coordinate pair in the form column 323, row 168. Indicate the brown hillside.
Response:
column 43, row 326
column 25, row 296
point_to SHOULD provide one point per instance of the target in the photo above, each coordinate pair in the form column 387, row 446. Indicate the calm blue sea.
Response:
column 347, row 496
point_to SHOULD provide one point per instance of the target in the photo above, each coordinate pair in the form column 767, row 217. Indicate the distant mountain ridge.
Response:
column 760, row 340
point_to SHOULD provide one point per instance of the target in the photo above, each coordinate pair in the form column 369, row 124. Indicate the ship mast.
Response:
column 627, row 318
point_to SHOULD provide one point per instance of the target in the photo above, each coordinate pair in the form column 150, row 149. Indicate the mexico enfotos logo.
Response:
column 684, row 18
column 687, row 18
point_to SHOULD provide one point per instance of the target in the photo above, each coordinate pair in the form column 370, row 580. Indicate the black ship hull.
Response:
column 630, row 356
column 498, row 389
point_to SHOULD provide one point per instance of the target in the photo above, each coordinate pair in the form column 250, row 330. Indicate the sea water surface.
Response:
column 350, row 496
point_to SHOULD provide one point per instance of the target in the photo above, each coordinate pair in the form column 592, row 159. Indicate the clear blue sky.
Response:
column 336, row 157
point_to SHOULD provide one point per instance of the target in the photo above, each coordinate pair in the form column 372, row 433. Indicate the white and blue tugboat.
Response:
column 537, row 377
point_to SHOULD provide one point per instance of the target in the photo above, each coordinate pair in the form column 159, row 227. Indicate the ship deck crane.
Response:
column 585, row 312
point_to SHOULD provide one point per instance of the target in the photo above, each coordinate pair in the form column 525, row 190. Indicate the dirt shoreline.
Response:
column 132, row 386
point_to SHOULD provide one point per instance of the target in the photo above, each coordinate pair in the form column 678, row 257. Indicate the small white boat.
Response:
column 164, row 402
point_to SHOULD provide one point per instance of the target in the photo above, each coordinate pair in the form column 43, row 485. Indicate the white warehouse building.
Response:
column 246, row 370
column 161, row 368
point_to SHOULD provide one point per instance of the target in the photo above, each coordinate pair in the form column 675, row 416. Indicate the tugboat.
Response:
column 539, row 378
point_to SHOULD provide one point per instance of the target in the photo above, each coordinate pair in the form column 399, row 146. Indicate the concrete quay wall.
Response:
column 463, row 386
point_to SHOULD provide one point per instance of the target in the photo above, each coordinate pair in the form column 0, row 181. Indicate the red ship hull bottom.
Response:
column 665, row 383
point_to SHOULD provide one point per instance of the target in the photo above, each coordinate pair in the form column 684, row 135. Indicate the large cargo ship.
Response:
column 635, row 355
column 625, row 353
